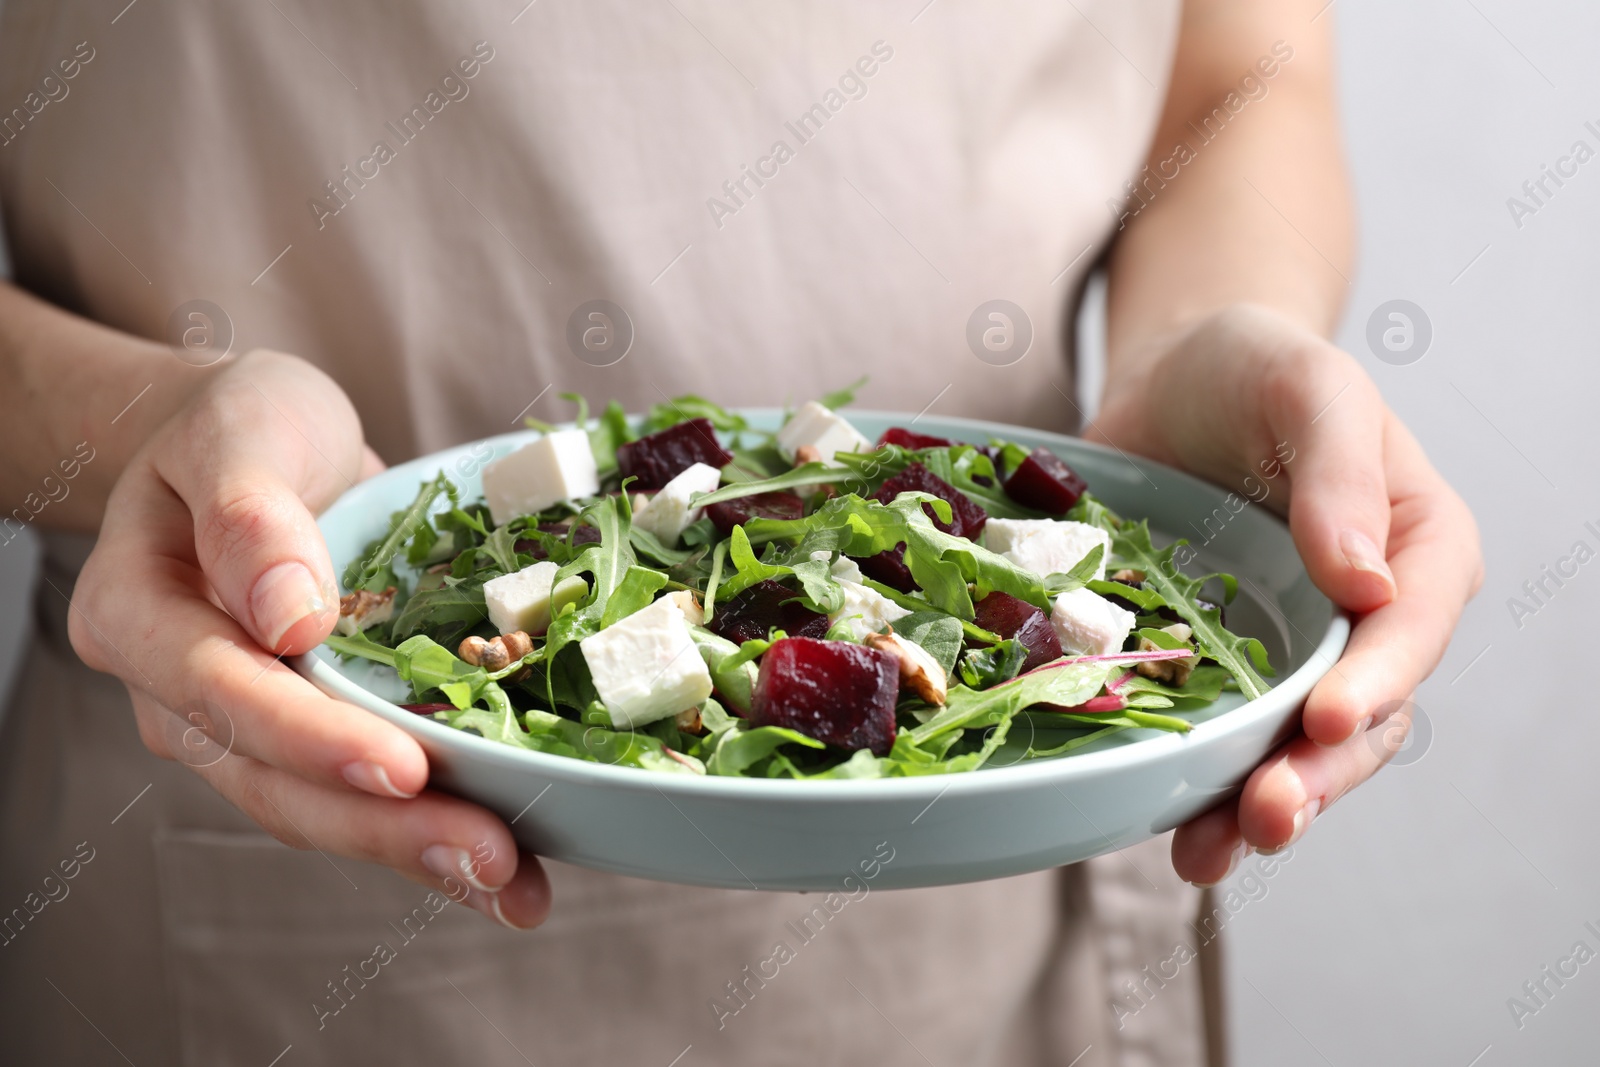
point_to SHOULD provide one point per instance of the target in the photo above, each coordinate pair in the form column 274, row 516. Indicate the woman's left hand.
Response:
column 1379, row 530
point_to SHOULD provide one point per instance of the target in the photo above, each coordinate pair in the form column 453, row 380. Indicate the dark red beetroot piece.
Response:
column 838, row 692
column 1044, row 482
column 657, row 459
column 427, row 709
column 899, row 435
column 730, row 513
column 1010, row 616
column 754, row 613
column 966, row 520
column 889, row 567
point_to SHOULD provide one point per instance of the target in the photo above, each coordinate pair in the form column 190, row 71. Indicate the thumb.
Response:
column 1339, row 509
column 246, row 474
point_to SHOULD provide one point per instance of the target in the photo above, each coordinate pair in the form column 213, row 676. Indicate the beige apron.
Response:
column 416, row 197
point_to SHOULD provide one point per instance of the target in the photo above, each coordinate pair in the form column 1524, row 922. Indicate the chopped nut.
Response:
column 1173, row 672
column 692, row 611
column 1128, row 576
column 688, row 720
column 362, row 610
column 518, row 644
column 919, row 671
column 807, row 454
column 496, row 653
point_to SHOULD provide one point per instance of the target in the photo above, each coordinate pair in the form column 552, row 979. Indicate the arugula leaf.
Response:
column 361, row 645
column 372, row 572
column 607, row 561
column 1146, row 600
column 740, row 748
column 635, row 592
column 823, row 592
column 428, row 665
column 733, row 678
column 1242, row 656
column 748, row 570
column 841, row 397
column 445, row 613
column 937, row 633
column 1078, row 576
column 1066, row 684
column 983, row 668
column 610, row 431
column 687, row 407
column 807, row 474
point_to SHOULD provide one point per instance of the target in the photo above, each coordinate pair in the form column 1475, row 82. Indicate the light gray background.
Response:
column 1424, row 901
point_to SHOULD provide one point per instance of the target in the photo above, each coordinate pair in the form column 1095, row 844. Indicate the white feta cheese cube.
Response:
column 865, row 611
column 822, row 429
column 646, row 666
column 1046, row 546
column 846, row 569
column 529, row 599
column 668, row 513
column 1089, row 624
column 558, row 466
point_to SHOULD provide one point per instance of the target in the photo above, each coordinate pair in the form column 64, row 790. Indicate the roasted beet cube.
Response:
column 1044, row 482
column 730, row 513
column 657, row 459
column 966, row 518
column 838, row 692
column 899, row 435
column 1010, row 616
column 890, row 569
column 754, row 613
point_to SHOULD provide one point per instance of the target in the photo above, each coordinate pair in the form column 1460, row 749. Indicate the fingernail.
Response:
column 1362, row 554
column 1302, row 822
column 282, row 597
column 370, row 777
column 1361, row 727
column 1240, row 851
column 489, row 904
column 448, row 861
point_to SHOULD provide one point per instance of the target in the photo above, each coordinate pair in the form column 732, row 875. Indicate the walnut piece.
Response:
column 1173, row 672
column 362, row 610
column 919, row 671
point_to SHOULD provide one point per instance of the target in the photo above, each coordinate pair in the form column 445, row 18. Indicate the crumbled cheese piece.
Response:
column 668, row 513
column 529, row 599
column 1046, row 546
column 646, row 666
column 558, row 466
column 1090, row 625
column 822, row 429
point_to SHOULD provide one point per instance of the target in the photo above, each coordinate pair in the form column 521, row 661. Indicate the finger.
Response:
column 185, row 654
column 371, row 464
column 1209, row 847
column 1437, row 566
column 1287, row 793
column 246, row 463
column 435, row 839
column 1327, row 411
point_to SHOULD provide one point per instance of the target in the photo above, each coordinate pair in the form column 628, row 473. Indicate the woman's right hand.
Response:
column 208, row 569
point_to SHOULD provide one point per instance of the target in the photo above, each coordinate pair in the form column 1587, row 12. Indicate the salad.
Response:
column 686, row 593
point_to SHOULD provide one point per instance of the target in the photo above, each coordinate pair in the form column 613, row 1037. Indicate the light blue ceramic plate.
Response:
column 1002, row 820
